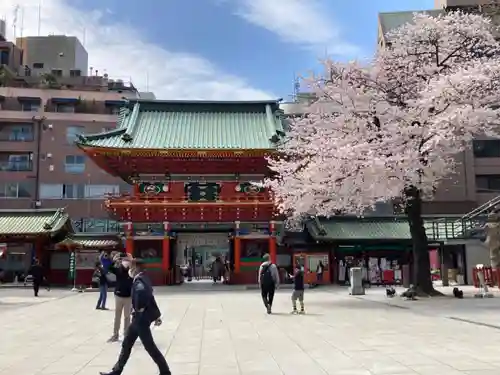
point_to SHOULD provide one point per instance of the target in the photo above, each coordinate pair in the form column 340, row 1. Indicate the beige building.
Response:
column 40, row 117
column 59, row 55
column 441, row 4
column 477, row 180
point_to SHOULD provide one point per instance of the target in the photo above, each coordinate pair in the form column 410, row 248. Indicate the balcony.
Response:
column 11, row 132
column 16, row 166
column 15, row 162
column 184, row 199
column 79, row 117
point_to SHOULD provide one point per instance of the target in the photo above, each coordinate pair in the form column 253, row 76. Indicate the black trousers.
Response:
column 267, row 295
column 36, row 286
column 141, row 330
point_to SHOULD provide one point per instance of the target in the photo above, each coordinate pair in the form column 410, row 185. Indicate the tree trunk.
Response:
column 422, row 281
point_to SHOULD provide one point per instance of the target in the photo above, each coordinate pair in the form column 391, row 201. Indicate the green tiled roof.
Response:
column 91, row 241
column 193, row 125
column 32, row 222
column 392, row 20
column 396, row 228
column 361, row 229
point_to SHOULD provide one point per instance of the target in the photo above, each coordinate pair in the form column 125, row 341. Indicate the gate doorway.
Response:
column 202, row 256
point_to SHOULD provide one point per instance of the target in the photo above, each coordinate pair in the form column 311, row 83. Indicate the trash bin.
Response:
column 356, row 287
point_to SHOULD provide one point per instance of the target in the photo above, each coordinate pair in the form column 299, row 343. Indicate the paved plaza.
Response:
column 215, row 332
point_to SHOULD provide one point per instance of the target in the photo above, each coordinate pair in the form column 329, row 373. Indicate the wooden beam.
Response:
column 201, row 153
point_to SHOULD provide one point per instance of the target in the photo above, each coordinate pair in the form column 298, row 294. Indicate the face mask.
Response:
column 126, row 264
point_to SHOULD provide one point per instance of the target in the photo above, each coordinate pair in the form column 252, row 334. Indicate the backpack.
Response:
column 266, row 276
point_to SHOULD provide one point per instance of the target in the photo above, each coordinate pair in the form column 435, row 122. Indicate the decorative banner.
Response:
column 72, row 265
column 202, row 191
column 86, row 260
column 153, row 188
column 248, row 188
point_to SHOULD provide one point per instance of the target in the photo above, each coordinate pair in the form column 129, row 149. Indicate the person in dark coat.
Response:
column 145, row 312
column 36, row 271
column 298, row 288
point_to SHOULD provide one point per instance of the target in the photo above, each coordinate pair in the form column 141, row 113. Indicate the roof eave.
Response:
column 221, row 102
column 86, row 139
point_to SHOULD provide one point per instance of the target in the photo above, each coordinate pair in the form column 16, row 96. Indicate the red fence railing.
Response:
column 490, row 276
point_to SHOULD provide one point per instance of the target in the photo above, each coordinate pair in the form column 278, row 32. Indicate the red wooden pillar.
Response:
column 237, row 248
column 272, row 242
column 39, row 250
column 129, row 240
column 165, row 260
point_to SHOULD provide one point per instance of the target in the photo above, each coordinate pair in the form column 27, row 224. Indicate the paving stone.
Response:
column 228, row 332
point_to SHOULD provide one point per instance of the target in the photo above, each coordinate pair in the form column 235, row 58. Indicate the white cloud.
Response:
column 123, row 52
column 303, row 22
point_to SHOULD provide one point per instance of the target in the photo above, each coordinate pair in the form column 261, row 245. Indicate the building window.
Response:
column 51, row 191
column 75, row 191
column 62, row 191
column 100, row 191
column 37, row 65
column 16, row 132
column 65, row 108
column 30, row 106
column 72, row 133
column 16, row 162
column 488, row 183
column 74, row 164
column 486, row 149
column 56, row 72
column 4, row 58
column 114, row 110
column 14, row 190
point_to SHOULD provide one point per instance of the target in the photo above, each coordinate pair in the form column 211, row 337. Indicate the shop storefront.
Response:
column 381, row 264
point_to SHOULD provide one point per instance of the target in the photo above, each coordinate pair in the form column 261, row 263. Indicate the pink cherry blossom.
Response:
column 391, row 128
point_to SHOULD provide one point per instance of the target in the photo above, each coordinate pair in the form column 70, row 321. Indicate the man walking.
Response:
column 36, row 271
column 145, row 312
column 269, row 280
column 123, row 294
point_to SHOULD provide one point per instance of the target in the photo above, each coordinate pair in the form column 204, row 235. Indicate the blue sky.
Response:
column 213, row 49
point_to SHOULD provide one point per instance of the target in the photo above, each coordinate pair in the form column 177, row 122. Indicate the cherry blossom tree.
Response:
column 390, row 129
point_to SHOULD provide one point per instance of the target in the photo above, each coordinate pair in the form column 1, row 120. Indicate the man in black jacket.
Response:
column 36, row 271
column 145, row 312
column 123, row 294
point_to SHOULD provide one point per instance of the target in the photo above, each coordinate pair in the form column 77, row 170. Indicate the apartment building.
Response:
column 442, row 4
column 59, row 55
column 41, row 114
column 477, row 180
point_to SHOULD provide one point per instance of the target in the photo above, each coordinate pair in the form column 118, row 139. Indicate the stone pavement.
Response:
column 12, row 298
column 216, row 332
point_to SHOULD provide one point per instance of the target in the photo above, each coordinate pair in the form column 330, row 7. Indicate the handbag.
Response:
column 109, row 279
column 96, row 277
